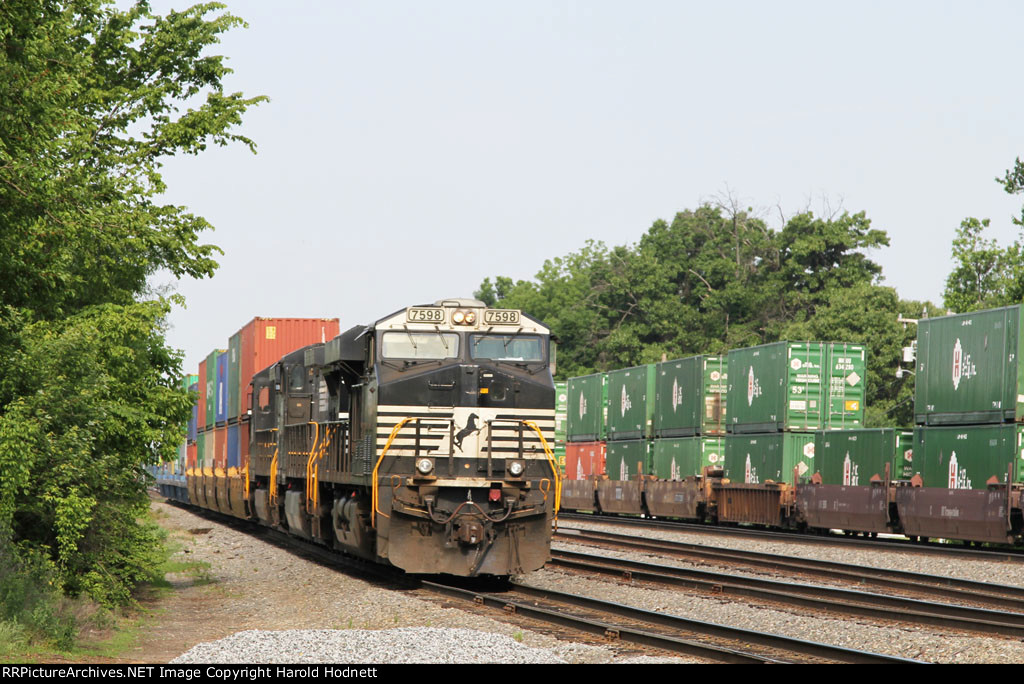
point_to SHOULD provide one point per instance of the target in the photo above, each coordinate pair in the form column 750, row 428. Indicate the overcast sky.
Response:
column 411, row 149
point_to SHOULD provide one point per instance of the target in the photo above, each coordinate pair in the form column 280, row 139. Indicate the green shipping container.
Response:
column 796, row 386
column 588, row 395
column 769, row 457
column 631, row 402
column 690, row 397
column 561, row 411
column 234, row 374
column 626, row 459
column 676, row 458
column 188, row 381
column 966, row 457
column 201, row 450
column 968, row 370
column 211, row 388
column 903, row 461
column 853, row 457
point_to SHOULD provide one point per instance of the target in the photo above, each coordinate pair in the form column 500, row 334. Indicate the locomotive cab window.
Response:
column 527, row 348
column 419, row 345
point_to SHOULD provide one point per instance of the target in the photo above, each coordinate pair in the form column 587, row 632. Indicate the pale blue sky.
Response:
column 411, row 149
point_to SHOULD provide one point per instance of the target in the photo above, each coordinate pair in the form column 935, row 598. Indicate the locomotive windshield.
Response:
column 506, row 347
column 419, row 345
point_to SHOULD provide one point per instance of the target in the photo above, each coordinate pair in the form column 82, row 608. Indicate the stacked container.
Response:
column 689, row 416
column 585, row 426
column 780, row 394
column 561, row 404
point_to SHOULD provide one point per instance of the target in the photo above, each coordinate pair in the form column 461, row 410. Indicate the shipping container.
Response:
column 201, row 452
column 263, row 341
column 968, row 456
column 690, row 397
column 583, row 459
column 968, row 370
column 233, row 447
column 853, row 457
column 796, row 386
column 221, row 415
column 631, row 402
column 234, row 375
column 561, row 411
column 220, row 446
column 676, row 458
column 588, row 397
column 211, row 388
column 904, row 459
column 769, row 457
column 193, row 423
column 192, row 451
column 201, row 401
column 627, row 459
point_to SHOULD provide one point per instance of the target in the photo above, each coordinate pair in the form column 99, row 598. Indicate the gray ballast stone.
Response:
column 403, row 645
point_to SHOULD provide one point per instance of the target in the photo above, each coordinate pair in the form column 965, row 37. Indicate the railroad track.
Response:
column 1007, row 554
column 665, row 632
column 818, row 598
column 999, row 596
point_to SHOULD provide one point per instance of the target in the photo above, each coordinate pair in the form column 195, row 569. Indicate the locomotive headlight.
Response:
column 458, row 317
column 470, row 317
column 424, row 466
column 516, row 468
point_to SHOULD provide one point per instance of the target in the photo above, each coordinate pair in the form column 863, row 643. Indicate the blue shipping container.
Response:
column 221, row 415
column 193, row 423
column 234, row 451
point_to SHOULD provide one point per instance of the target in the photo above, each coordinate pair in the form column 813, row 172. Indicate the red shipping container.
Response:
column 192, row 451
column 220, row 447
column 201, row 415
column 583, row 459
column 263, row 341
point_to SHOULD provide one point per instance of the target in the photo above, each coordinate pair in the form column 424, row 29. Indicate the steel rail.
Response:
column 527, row 605
column 1008, row 554
column 999, row 595
column 826, row 599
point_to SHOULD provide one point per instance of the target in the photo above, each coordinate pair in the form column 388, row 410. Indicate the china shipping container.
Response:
column 904, row 459
column 853, row 457
column 561, row 408
column 588, row 397
column 263, row 341
column 631, row 402
column 210, row 419
column 220, row 442
column 627, row 459
column 769, row 457
column 796, row 386
column 968, row 368
column 690, row 397
column 221, row 415
column 968, row 456
column 676, row 458
column 583, row 459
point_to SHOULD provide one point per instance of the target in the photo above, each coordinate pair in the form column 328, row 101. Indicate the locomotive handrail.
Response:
column 309, row 463
column 272, row 487
column 387, row 445
column 551, row 462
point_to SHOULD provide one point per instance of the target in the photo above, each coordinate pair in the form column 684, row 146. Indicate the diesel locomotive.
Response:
column 422, row 441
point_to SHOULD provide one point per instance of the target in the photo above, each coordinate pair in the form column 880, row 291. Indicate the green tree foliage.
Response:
column 718, row 278
column 92, row 99
column 986, row 275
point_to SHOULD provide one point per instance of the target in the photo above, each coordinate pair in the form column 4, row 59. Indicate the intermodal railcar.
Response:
column 422, row 441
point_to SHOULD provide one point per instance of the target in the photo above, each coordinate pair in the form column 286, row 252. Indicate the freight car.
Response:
column 421, row 441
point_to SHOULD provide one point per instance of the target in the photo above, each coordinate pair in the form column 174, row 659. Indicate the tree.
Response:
column 92, row 99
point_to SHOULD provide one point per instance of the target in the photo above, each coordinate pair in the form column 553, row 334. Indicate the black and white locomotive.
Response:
column 422, row 441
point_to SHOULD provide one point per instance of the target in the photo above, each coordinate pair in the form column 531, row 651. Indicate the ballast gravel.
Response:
column 404, row 645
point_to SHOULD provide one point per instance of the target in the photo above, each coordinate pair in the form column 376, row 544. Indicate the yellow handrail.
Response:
column 391, row 438
column 551, row 461
column 309, row 464
column 273, row 479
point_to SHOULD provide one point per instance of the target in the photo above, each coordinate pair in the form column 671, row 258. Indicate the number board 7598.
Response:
column 501, row 317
